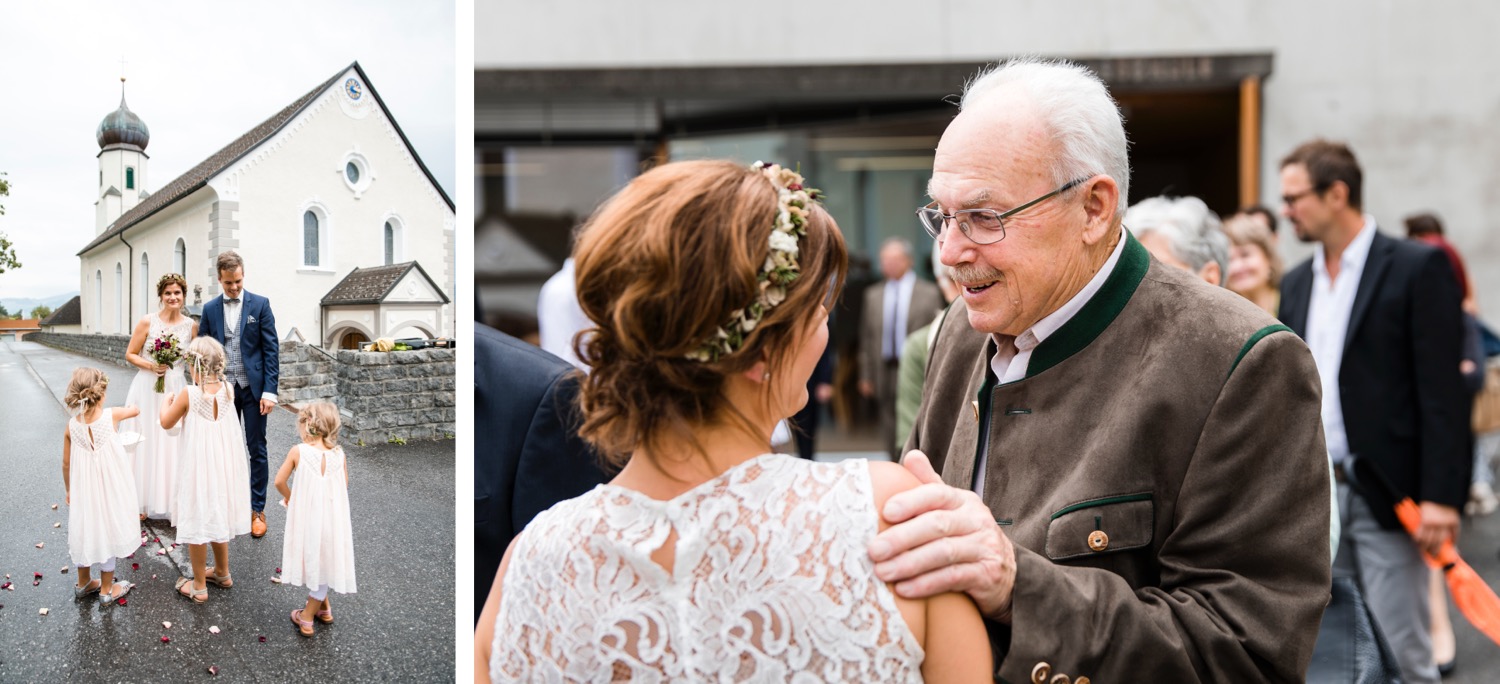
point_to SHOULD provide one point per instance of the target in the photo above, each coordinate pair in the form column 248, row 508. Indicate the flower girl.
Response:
column 211, row 504
column 102, row 522
column 318, row 552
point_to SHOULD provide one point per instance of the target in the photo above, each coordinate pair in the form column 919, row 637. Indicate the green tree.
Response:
column 41, row 311
column 4, row 313
column 8, row 260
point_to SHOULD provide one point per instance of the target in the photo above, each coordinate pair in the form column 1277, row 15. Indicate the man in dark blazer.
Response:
column 893, row 309
column 243, row 323
column 1382, row 317
column 527, row 454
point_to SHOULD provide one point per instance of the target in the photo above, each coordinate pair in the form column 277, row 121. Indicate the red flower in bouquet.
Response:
column 165, row 350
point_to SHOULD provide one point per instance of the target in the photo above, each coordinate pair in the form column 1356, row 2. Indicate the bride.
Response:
column 156, row 455
column 708, row 558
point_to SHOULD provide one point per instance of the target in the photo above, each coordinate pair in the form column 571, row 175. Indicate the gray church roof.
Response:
column 67, row 314
column 199, row 175
column 372, row 285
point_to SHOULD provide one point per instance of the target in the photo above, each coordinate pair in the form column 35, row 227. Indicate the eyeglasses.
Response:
column 1293, row 198
column 982, row 226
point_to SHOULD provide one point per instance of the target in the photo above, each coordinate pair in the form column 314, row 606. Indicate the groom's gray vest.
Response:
column 234, row 364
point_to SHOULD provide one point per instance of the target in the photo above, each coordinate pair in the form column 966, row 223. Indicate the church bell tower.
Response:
column 122, row 157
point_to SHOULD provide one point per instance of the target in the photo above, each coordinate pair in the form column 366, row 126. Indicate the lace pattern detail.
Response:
column 203, row 403
column 770, row 582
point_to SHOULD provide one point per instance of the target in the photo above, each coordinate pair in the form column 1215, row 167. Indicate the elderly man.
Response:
column 1133, row 482
column 1182, row 232
column 894, row 308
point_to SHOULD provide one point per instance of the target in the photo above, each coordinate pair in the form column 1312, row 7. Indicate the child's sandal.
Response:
column 116, row 592
column 325, row 616
column 199, row 596
column 90, row 587
column 212, row 576
column 304, row 627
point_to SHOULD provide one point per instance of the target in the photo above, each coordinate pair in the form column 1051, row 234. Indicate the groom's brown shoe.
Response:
column 258, row 524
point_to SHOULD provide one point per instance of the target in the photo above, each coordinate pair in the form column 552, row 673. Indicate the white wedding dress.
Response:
column 155, row 457
column 770, row 582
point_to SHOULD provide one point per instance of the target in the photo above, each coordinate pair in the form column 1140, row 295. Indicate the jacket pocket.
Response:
column 1100, row 526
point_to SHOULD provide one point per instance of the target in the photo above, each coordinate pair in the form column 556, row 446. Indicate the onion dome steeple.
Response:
column 122, row 126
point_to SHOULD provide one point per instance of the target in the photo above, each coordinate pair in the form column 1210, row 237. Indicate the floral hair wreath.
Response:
column 780, row 268
column 176, row 277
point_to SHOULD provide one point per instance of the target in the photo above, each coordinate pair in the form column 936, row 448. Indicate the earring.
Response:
column 765, row 377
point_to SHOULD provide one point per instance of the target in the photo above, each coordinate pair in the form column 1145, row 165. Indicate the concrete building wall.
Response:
column 1405, row 84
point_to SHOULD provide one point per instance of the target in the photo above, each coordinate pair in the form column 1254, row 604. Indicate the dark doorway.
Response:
column 1184, row 143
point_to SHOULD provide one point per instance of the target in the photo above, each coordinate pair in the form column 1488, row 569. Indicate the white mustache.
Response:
column 974, row 275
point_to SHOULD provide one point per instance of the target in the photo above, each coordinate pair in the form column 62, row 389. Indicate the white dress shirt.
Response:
column 559, row 316
column 1328, row 313
column 897, row 306
column 1013, row 355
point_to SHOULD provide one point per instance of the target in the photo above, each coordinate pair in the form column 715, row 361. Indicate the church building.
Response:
column 327, row 186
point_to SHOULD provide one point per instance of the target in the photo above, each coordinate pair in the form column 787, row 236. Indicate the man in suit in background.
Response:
column 893, row 309
column 527, row 455
column 1382, row 318
column 243, row 323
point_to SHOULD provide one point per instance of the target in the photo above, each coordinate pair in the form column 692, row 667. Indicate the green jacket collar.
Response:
column 1101, row 310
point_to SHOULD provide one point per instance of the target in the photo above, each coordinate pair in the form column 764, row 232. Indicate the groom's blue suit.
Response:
column 259, row 352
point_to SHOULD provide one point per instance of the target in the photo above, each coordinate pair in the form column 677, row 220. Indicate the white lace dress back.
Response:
column 319, row 544
column 154, row 459
column 212, row 500
column 102, row 515
column 770, row 582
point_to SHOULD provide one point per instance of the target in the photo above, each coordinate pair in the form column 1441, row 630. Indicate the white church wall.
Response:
column 101, row 309
column 301, row 168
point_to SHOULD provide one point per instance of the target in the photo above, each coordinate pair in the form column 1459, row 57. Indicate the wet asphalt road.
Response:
column 398, row 627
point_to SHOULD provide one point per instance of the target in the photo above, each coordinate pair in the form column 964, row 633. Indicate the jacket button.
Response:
column 1040, row 672
column 1060, row 679
column 1098, row 540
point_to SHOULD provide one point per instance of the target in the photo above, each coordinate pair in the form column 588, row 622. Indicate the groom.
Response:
column 242, row 322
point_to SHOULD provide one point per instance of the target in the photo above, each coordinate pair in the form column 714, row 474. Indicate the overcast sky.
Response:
column 199, row 74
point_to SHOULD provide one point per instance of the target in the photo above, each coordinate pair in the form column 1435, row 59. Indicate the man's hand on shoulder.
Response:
column 944, row 539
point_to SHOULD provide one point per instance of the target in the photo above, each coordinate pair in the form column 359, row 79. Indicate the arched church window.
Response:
column 129, row 178
column 309, row 238
column 390, row 244
column 179, row 258
column 119, row 298
column 98, row 301
column 146, row 290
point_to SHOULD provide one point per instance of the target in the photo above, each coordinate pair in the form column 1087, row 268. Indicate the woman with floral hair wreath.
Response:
column 707, row 558
column 155, row 349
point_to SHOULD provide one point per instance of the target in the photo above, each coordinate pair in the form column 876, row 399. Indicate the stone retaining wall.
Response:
column 383, row 396
column 107, row 348
column 397, row 395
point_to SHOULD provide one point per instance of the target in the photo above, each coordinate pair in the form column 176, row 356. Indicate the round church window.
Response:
column 351, row 171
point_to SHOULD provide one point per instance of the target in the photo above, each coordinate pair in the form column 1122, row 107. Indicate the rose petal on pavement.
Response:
column 57, row 524
column 54, row 507
column 42, row 611
column 161, row 552
column 213, row 630
column 213, row 669
column 41, row 544
column 135, row 566
column 166, row 625
column 65, row 569
column 263, row 638
column 166, row 640
column 277, row 580
column 121, row 601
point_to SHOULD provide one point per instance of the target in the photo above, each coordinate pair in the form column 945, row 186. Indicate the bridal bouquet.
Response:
column 164, row 350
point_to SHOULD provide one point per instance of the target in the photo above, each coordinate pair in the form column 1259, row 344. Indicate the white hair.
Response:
column 902, row 243
column 1192, row 230
column 1078, row 111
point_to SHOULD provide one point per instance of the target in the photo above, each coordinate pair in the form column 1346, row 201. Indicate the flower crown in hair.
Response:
column 781, row 266
column 177, row 277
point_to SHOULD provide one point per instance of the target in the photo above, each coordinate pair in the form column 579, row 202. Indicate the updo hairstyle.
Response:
column 206, row 356
column 660, row 267
column 85, row 389
column 321, row 419
column 169, row 279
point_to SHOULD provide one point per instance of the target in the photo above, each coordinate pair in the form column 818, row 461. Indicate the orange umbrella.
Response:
column 1474, row 598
